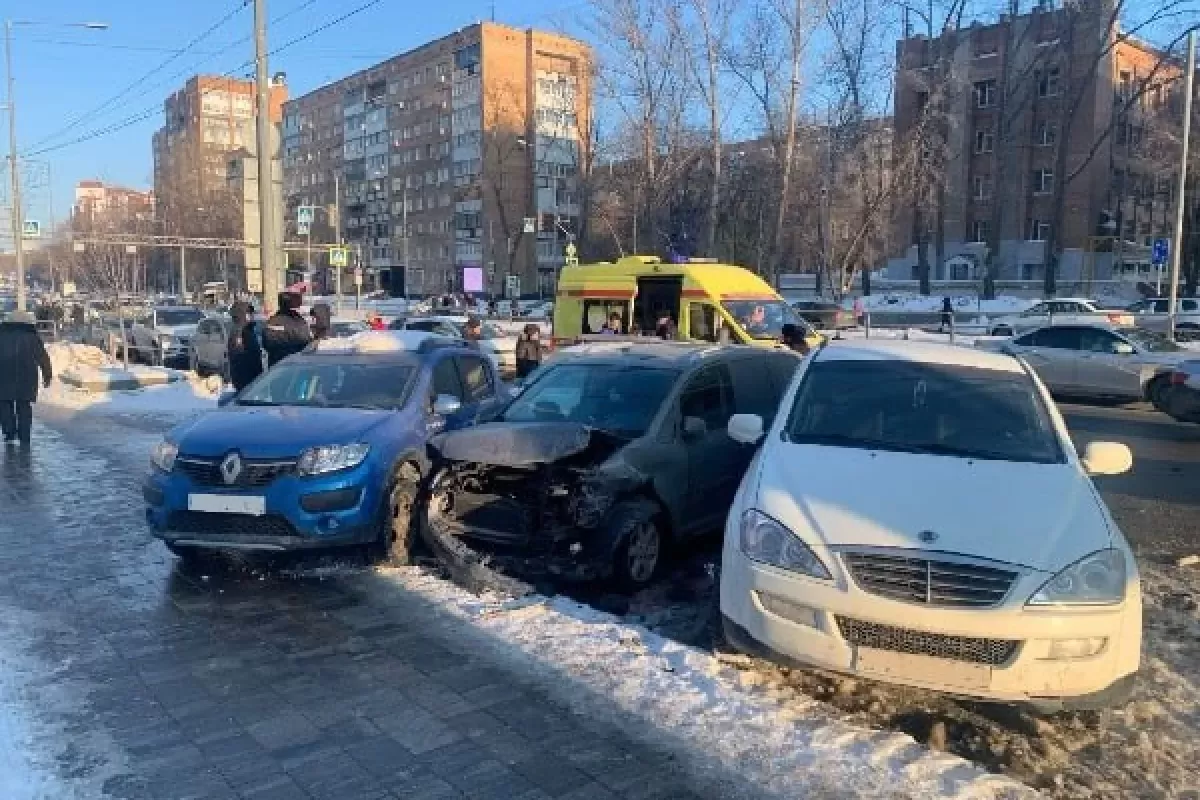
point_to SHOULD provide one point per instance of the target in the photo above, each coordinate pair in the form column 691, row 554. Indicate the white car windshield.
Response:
column 912, row 407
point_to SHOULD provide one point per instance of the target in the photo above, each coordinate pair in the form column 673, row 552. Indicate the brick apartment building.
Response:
column 437, row 158
column 205, row 122
column 97, row 202
column 1000, row 180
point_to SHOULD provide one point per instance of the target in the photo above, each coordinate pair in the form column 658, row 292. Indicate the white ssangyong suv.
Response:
column 917, row 514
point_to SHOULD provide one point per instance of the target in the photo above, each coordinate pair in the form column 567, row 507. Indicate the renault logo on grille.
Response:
column 231, row 469
column 928, row 537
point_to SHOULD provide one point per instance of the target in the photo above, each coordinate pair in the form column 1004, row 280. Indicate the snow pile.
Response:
column 688, row 699
column 179, row 399
column 65, row 355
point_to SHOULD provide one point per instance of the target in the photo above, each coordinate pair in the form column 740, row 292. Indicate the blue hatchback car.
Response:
column 325, row 449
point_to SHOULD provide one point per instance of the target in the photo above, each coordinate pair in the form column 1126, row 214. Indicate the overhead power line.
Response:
column 150, row 111
column 100, row 109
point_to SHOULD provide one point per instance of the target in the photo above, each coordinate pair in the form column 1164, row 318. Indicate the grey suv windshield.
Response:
column 331, row 385
column 912, row 407
column 181, row 317
column 613, row 397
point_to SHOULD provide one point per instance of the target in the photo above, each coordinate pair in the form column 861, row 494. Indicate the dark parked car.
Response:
column 824, row 314
column 610, row 453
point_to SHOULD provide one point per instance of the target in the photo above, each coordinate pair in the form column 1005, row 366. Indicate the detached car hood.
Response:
column 517, row 444
column 1043, row 516
column 273, row 431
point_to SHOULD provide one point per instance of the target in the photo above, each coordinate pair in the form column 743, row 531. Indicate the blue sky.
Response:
column 63, row 73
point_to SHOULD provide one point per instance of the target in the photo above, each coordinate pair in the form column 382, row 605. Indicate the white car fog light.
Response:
column 1064, row 649
column 793, row 612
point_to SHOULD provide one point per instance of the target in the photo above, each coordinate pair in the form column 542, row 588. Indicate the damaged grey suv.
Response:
column 610, row 454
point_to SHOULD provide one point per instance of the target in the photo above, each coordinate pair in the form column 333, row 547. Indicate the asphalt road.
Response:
column 1157, row 503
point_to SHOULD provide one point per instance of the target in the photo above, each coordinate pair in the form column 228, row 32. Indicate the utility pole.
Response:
column 18, row 224
column 183, row 272
column 1181, row 195
column 337, row 237
column 268, row 244
column 404, row 225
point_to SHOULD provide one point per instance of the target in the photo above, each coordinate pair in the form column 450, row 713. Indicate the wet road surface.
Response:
column 150, row 682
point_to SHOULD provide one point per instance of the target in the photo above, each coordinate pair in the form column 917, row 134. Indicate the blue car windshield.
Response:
column 616, row 398
column 331, row 385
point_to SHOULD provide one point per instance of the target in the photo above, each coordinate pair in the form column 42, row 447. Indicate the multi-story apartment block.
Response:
column 205, row 121
column 1026, row 117
column 451, row 166
column 96, row 201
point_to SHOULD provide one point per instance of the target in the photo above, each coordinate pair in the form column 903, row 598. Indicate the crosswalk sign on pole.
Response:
column 1160, row 251
column 339, row 257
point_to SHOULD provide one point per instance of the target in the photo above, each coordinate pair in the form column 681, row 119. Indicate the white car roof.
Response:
column 923, row 352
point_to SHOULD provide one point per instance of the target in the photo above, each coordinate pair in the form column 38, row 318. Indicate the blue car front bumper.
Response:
column 301, row 513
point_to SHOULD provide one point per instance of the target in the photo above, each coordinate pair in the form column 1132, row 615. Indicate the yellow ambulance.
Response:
column 705, row 301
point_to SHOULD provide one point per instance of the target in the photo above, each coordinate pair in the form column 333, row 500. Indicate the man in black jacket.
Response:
column 286, row 332
column 245, row 355
column 22, row 356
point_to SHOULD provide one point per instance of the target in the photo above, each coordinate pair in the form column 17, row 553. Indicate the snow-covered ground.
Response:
column 690, row 701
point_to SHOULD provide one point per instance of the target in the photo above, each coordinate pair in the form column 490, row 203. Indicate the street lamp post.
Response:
column 18, row 224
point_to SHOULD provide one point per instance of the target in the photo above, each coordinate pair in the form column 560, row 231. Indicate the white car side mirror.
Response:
column 1107, row 458
column 1123, row 348
column 745, row 428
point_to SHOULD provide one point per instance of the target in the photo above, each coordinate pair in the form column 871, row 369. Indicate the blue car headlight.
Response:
column 332, row 458
column 163, row 455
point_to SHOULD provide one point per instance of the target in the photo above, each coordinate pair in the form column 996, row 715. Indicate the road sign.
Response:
column 303, row 228
column 358, row 276
column 531, row 224
column 304, row 215
column 31, row 229
column 571, row 255
column 339, row 257
column 1162, row 248
column 512, row 285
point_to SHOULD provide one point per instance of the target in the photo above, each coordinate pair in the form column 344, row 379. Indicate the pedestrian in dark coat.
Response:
column 322, row 324
column 22, row 357
column 947, row 320
column 792, row 337
column 286, row 332
column 245, row 353
column 529, row 350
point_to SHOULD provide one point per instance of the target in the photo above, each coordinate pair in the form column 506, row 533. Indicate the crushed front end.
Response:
column 535, row 505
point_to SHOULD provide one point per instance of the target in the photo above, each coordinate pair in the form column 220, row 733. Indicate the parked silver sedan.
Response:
column 1099, row 361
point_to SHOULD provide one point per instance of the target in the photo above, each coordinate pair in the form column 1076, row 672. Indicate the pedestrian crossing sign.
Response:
column 339, row 257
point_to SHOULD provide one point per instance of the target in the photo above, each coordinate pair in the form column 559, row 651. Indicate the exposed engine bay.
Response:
column 535, row 506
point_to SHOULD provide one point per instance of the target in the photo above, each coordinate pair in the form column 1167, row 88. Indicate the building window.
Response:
column 1029, row 272
column 979, row 230
column 985, row 141
column 1046, row 134
column 985, row 94
column 1048, row 82
column 1036, row 230
column 982, row 185
column 1043, row 181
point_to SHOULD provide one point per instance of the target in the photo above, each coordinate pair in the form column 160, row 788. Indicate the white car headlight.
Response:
column 331, row 458
column 765, row 540
column 163, row 455
column 1097, row 579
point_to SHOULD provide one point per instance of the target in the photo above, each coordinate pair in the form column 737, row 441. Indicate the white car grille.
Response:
column 929, row 581
column 993, row 652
